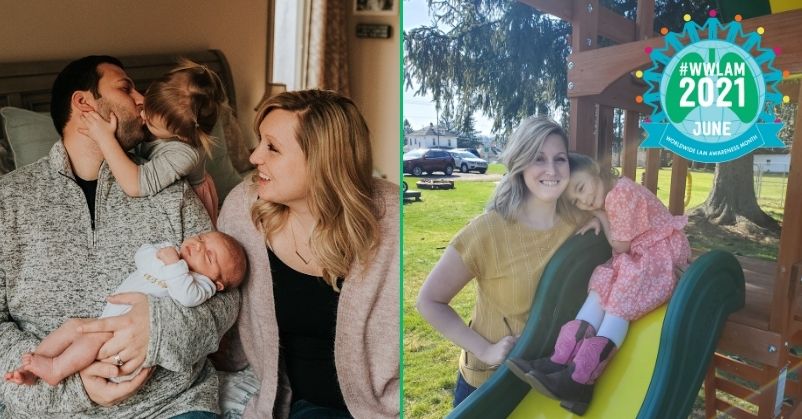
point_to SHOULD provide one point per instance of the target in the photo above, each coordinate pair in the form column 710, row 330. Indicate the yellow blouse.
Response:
column 507, row 260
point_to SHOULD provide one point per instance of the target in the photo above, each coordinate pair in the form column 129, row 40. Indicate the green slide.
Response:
column 661, row 365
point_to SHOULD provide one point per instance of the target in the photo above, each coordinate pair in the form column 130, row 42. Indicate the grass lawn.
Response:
column 430, row 361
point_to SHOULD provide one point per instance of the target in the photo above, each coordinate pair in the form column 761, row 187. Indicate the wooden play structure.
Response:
column 757, row 352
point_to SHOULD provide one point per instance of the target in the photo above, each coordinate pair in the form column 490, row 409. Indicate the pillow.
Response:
column 237, row 149
column 219, row 165
column 30, row 134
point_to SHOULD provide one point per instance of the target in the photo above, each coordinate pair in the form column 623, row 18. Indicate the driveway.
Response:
column 487, row 177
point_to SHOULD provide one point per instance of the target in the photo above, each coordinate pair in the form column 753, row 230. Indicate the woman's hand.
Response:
column 131, row 332
column 495, row 353
column 97, row 128
column 106, row 393
column 594, row 224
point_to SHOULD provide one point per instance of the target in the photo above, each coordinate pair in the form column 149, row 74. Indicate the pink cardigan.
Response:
column 366, row 346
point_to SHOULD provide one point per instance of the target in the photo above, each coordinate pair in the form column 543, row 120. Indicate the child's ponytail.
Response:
column 190, row 99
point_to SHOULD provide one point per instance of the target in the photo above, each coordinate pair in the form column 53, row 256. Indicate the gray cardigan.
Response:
column 366, row 345
column 54, row 266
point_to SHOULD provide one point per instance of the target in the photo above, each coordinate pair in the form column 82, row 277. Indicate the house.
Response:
column 430, row 137
column 772, row 163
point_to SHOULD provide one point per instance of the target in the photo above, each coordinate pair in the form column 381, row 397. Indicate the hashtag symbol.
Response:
column 683, row 68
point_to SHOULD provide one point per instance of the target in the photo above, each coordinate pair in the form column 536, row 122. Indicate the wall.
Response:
column 46, row 29
column 376, row 89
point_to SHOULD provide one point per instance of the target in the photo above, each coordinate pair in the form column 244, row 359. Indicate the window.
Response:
column 288, row 42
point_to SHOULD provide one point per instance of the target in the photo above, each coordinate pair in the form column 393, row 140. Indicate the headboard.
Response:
column 27, row 84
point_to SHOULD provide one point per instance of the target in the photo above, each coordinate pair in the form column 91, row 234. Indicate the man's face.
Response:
column 118, row 95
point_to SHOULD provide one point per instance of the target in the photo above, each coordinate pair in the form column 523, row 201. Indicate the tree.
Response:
column 468, row 134
column 503, row 57
column 732, row 198
column 448, row 120
column 407, row 127
column 500, row 57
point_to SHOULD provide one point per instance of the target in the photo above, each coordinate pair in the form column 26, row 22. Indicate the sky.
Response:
column 420, row 110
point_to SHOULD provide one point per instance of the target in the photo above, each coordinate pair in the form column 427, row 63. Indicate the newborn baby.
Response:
column 191, row 274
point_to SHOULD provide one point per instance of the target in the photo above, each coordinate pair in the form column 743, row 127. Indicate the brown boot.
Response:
column 573, row 386
column 567, row 345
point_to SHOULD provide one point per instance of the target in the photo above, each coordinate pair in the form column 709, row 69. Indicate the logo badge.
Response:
column 712, row 97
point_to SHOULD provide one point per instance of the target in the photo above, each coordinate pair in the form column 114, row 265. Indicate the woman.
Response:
column 505, row 249
column 319, row 321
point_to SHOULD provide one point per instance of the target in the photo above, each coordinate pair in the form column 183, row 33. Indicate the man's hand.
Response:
column 131, row 332
column 168, row 255
column 106, row 393
column 97, row 128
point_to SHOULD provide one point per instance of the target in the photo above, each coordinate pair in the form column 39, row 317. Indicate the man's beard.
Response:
column 130, row 128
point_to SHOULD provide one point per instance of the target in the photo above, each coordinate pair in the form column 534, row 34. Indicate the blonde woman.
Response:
column 505, row 250
column 319, row 322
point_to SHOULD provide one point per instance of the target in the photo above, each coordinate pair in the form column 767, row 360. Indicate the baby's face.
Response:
column 207, row 255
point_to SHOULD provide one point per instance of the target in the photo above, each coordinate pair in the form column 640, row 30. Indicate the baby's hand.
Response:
column 494, row 354
column 97, row 128
column 594, row 224
column 168, row 255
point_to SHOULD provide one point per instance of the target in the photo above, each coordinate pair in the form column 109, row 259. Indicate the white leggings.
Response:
column 607, row 325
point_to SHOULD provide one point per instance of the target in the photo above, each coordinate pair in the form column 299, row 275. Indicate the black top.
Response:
column 306, row 311
column 89, row 187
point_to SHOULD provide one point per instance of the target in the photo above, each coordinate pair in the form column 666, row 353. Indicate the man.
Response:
column 69, row 234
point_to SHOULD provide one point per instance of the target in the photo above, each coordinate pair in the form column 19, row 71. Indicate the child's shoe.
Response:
column 568, row 341
column 573, row 386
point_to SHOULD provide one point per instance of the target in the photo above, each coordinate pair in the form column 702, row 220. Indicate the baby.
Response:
column 191, row 274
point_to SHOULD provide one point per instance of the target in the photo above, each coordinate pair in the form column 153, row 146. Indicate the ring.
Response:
column 117, row 360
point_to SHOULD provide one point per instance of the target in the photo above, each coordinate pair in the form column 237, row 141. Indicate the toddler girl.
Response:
column 191, row 274
column 180, row 110
column 648, row 244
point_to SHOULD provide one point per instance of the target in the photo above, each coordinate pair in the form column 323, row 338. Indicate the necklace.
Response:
column 305, row 260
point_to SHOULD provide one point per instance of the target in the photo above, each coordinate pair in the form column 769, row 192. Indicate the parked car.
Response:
column 425, row 160
column 473, row 151
column 466, row 161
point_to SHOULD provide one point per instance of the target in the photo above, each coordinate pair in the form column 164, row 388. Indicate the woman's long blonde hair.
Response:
column 520, row 152
column 335, row 140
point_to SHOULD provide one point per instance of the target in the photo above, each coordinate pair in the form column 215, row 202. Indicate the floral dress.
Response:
column 633, row 284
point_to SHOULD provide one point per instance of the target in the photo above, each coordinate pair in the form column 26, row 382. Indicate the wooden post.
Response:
column 582, row 136
column 629, row 152
column 679, row 173
column 584, row 36
column 791, row 235
column 710, row 389
column 604, row 137
column 652, row 169
column 644, row 19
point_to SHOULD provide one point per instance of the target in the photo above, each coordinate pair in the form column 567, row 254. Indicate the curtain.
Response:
column 327, row 51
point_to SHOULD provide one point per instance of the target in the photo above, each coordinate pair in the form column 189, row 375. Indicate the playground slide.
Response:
column 660, row 368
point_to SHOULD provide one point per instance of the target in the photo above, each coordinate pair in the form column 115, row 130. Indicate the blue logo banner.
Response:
column 667, row 136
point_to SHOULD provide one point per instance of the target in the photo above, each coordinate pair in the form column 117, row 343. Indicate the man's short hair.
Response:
column 81, row 74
